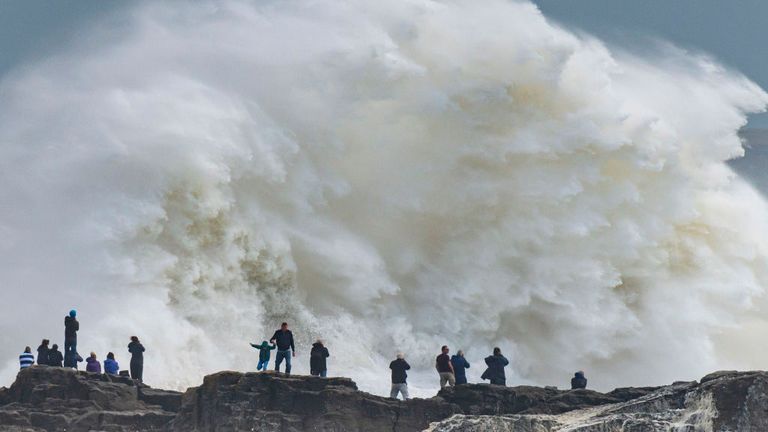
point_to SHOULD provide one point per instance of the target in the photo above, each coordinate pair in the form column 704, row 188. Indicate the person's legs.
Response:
column 445, row 378
column 278, row 360
column 261, row 365
column 451, row 380
column 393, row 391
column 404, row 391
column 288, row 362
column 323, row 374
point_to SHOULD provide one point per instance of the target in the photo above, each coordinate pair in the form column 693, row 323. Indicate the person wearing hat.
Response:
column 71, row 327
column 264, row 353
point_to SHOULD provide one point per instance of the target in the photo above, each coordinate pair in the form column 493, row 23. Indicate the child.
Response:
column 264, row 350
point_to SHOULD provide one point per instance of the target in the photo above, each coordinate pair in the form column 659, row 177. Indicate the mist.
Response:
column 386, row 177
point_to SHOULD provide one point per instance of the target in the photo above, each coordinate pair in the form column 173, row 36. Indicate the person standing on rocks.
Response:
column 495, row 371
column 399, row 375
column 55, row 358
column 317, row 359
column 264, row 350
column 445, row 368
column 579, row 381
column 110, row 365
column 137, row 359
column 460, row 366
column 71, row 327
column 285, row 348
column 26, row 359
column 42, row 352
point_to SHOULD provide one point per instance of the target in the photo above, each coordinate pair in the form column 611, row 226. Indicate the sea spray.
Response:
column 387, row 176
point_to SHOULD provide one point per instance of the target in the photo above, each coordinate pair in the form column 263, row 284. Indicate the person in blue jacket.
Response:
column 495, row 371
column 579, row 381
column 110, row 365
column 460, row 366
column 264, row 353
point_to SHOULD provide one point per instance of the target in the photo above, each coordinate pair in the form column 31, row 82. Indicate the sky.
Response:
column 734, row 32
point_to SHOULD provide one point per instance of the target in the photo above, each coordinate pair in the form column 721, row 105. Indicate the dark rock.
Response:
column 266, row 401
column 56, row 399
column 487, row 399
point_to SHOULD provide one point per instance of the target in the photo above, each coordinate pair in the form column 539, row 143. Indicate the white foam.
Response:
column 389, row 176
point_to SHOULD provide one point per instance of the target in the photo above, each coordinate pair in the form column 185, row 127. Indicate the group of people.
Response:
column 282, row 341
column 451, row 369
column 51, row 356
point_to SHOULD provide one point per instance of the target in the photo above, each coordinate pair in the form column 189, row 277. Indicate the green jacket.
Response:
column 264, row 350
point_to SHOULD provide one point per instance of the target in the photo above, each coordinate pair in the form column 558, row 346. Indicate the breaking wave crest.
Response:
column 384, row 176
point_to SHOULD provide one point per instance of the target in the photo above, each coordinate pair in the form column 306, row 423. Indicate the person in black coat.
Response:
column 579, row 381
column 42, row 352
column 137, row 359
column 399, row 376
column 283, row 338
column 495, row 371
column 55, row 357
column 317, row 363
column 71, row 327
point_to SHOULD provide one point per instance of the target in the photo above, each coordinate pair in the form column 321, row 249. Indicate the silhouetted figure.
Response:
column 71, row 327
column 42, row 352
column 495, row 371
column 92, row 364
column 55, row 357
column 26, row 359
column 317, row 359
column 578, row 381
column 110, row 364
column 445, row 368
column 460, row 366
column 137, row 359
column 399, row 375
column 264, row 352
column 285, row 349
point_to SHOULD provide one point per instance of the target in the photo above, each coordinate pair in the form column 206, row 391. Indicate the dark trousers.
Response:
column 461, row 379
column 137, row 370
column 70, row 352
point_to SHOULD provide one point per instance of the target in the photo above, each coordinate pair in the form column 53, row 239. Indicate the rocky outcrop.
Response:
column 723, row 401
column 55, row 399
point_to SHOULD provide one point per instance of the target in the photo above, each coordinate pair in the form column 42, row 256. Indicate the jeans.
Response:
column 401, row 388
column 262, row 365
column 70, row 352
column 279, row 359
column 447, row 378
column 322, row 374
